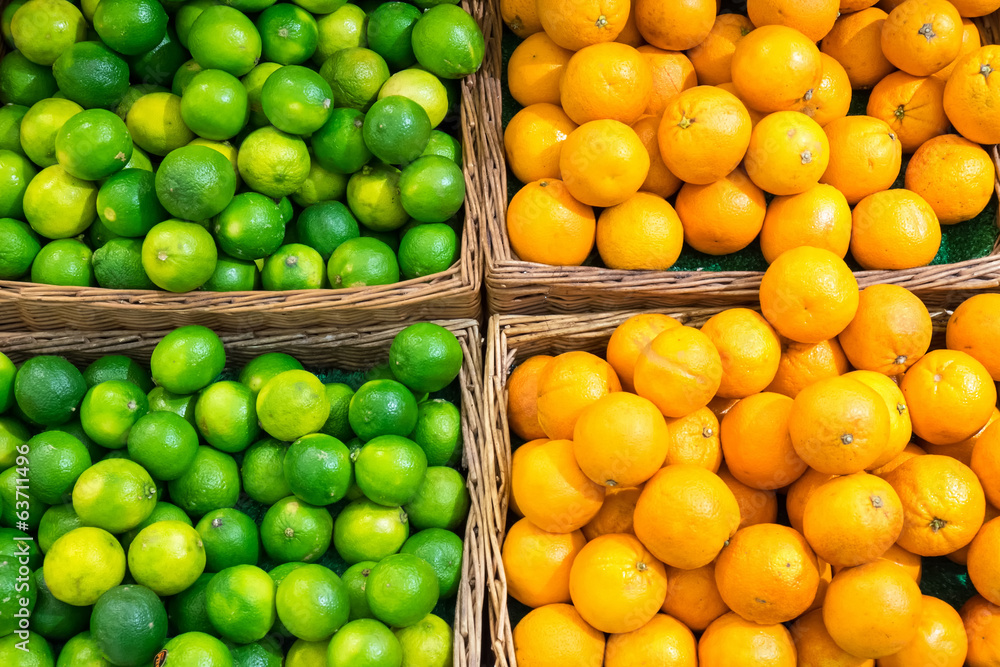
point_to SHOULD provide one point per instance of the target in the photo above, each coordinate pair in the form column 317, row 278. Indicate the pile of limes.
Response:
column 269, row 519
column 231, row 146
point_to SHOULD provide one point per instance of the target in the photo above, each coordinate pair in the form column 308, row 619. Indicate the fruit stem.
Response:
column 927, row 30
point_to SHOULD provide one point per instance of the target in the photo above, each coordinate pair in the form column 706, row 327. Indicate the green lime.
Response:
column 199, row 116
column 33, row 652
column 7, row 373
column 427, row 643
column 10, row 127
column 402, row 589
column 24, row 82
column 18, row 248
column 156, row 125
column 425, row 357
column 383, row 407
column 13, row 434
column 179, row 256
column 98, row 234
column 15, row 489
column 58, row 205
column 16, row 172
column 214, row 105
column 118, row 265
column 442, row 549
column 355, row 578
column 312, row 602
column 162, row 512
column 296, row 531
column 342, row 27
column 389, row 469
column 130, row 26
column 75, row 429
column 93, row 144
column 5, row 19
column 250, row 227
column 48, row 389
column 279, row 572
column 263, row 471
column 54, row 619
column 129, row 624
column 427, row 249
column 139, row 160
column 318, row 469
column 164, row 443
column 43, row 29
column 367, row 531
column 224, row 148
column 224, row 38
column 187, row 14
column 444, row 145
column 355, row 75
column 195, row 182
column 18, row 598
column 448, row 42
column 63, row 262
column 56, row 522
column 423, row 88
column 296, row 100
column 439, row 432
column 56, row 460
column 264, row 367
column 13, row 542
column 230, row 538
column 288, row 33
column 306, row 654
column 293, row 266
column 254, row 83
column 110, row 409
column 39, row 127
column 81, row 650
column 396, row 129
column 187, row 610
column 167, row 557
column 432, row 188
column 292, row 404
column 263, row 653
column 273, row 162
column 196, row 649
column 373, row 195
column 115, row 495
column 364, row 643
column 339, row 145
column 117, row 367
column 133, row 94
column 182, row 79
column 226, row 416
column 92, row 75
column 212, row 482
column 337, row 424
column 389, row 29
column 233, row 275
column 164, row 400
column 127, row 203
column 326, row 225
column 320, row 185
column 82, row 565
column 240, row 602
column 442, row 501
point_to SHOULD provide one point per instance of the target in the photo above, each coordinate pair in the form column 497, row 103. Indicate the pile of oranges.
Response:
column 630, row 105
column 651, row 480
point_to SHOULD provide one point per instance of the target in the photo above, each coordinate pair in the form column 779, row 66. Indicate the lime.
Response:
column 214, row 105
column 133, row 94
column 444, row 145
column 162, row 512
column 15, row 172
column 439, row 432
column 240, row 602
column 39, row 127
column 58, row 205
column 20, row 597
column 427, row 643
column 7, row 373
column 389, row 29
column 187, row 14
column 355, row 75
column 425, row 357
column 448, row 42
column 139, row 160
column 63, row 262
column 279, row 572
column 33, row 652
column 10, row 127
column 296, row 531
column 156, row 125
column 129, row 624
column 91, row 74
column 212, row 482
column 195, row 649
column 164, row 400
column 368, row 531
column 93, row 144
column 402, row 589
column 48, row 389
column 164, row 443
column 114, row 494
column 82, row 565
column 292, row 404
column 320, row 185
column 179, row 256
column 24, row 82
column 264, row 367
column 110, row 409
column 224, row 38
column 56, row 460
column 82, row 650
column 224, row 148
column 326, row 225
column 396, row 129
column 263, row 653
column 18, row 248
column 432, row 188
column 373, row 195
column 250, row 227
column 75, row 429
column 130, row 26
column 339, row 145
column 43, row 29
column 312, row 602
column 183, row 78
column 442, row 501
column 273, row 162
column 296, row 100
column 167, row 557
column 254, row 83
column 118, row 265
column 427, row 249
column 442, row 549
column 195, row 182
column 15, row 489
column 187, row 610
column 306, row 654
column 383, row 407
column 423, row 88
column 117, row 367
column 230, row 538
column 233, row 275
column 389, row 469
column 355, row 578
column 13, row 434
column 127, row 203
column 98, row 234
column 53, row 618
column 337, row 424
column 263, row 471
column 289, row 34
column 342, row 27
column 364, row 643
column 226, row 416
column 293, row 266
column 318, row 469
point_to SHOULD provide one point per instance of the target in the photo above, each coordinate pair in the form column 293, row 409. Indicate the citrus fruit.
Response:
column 273, row 162
column 48, row 389
column 187, row 611
column 292, row 404
column 233, row 275
column 556, row 632
column 162, row 512
column 53, row 618
column 343, row 27
column 439, row 431
column 389, row 33
column 442, row 549
column 156, row 124
column 133, row 94
column 129, row 625
column 425, row 357
column 82, row 565
column 56, row 460
column 396, row 129
column 427, row 642
column 441, row 500
column 364, row 642
column 179, row 256
column 432, row 189
column 296, row 531
column 389, row 469
column 12, row 491
column 187, row 359
column 382, row 407
column 46, row 28
column 10, row 126
column 17, row 172
column 447, row 42
column 127, row 203
column 58, row 205
column 211, row 482
column 445, row 145
column 230, row 538
column 215, row 105
column 198, row 648
column 19, row 248
column 240, row 603
column 325, row 226
column 355, row 75
column 263, row 471
column 131, row 26
column 226, row 416
column 423, row 88
column 265, row 653
column 91, row 74
column 56, row 522
column 114, row 494
column 195, row 182
column 163, row 400
column 264, row 367
column 318, row 469
column 110, row 409
column 360, row 262
column 63, row 262
column 339, row 145
column 254, row 83
column 24, row 82
column 34, row 650
column 366, row 531
column 292, row 267
column 296, row 100
column 289, row 34
column 355, row 579
column 224, row 38
column 39, row 126
column 312, row 602
column 374, row 198
column 401, row 590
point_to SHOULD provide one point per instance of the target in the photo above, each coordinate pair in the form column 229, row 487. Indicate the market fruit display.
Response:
column 667, row 134
column 778, row 487
column 255, row 145
column 192, row 512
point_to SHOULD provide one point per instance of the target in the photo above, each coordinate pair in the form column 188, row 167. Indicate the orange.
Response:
column 912, row 563
column 755, row 116
column 556, row 636
column 816, row 648
column 775, row 67
column 574, row 24
column 943, row 504
column 972, row 95
column 685, row 515
column 522, row 397
column 940, row 640
column 608, row 80
column 537, row 563
column 630, row 338
column 672, row 72
column 713, row 57
column 694, row 439
column 551, row 490
column 825, row 576
column 961, row 450
column 642, row 232
column 913, row 106
column 801, row 364
column 535, row 70
column 839, row 426
column 638, row 433
column 855, row 5
column 546, row 224
column 894, row 229
column 900, row 426
column 659, row 180
column 679, row 371
column 731, row 640
column 603, row 163
column 567, row 385
column 856, row 43
column 950, row 395
column 890, row 332
column 814, row 18
column 615, row 515
column 756, row 444
column 971, row 41
column 693, row 597
column 749, row 349
column 704, row 134
column 908, row 453
column 961, row 556
column 819, row 217
column 521, row 16
column 982, row 626
column 630, row 33
column 800, row 492
column 616, row 584
column 831, row 99
column 756, row 506
column 533, row 141
column 865, row 156
column 516, row 459
column 984, row 570
column 724, row 216
column 922, row 36
column 809, row 294
column 662, row 641
column 976, row 7
column 985, row 462
column 675, row 25
column 788, row 153
column 955, row 176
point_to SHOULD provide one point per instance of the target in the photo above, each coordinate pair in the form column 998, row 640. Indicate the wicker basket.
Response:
column 354, row 350
column 516, row 286
column 454, row 293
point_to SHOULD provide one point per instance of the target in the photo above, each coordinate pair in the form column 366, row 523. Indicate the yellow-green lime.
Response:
column 156, row 125
column 39, row 127
column 355, row 75
column 117, row 367
column 389, row 32
column 339, row 145
column 197, row 649
column 291, row 267
column 423, row 88
column 183, row 77
column 427, row 249
column 250, row 227
column 373, row 195
column 226, row 416
column 289, row 34
column 187, row 359
column 110, row 409
column 292, row 404
column 342, row 27
column 389, row 470
column 127, row 203
column 215, row 105
column 164, row 400
column 293, row 530
column 162, row 512
column 439, row 431
column 355, row 578
column 12, row 491
column 321, row 185
column 367, row 531
column 83, row 564
column 364, row 643
column 24, row 82
column 254, row 83
column 92, row 75
column 58, row 205
column 164, row 443
column 263, row 471
column 48, row 389
column 312, row 602
column 273, row 162
column 306, row 654
column 240, row 602
column 187, row 14
column 179, row 256
column 93, row 144
column 427, row 643
column 279, row 572
column 129, row 624
column 441, row 501
column 133, row 94
column 187, row 611
column 167, row 557
column 38, row 653
column 224, row 38
column 13, row 434
column 56, row 522
column 230, row 538
column 448, row 42
column 56, row 459
column 195, row 182
column 432, row 188
column 233, row 275
column 396, row 129
column 10, row 127
column 63, row 262
column 325, row 225
column 318, row 469
column 211, row 482
column 445, row 145
column 383, row 407
column 43, row 29
column 425, row 357
column 402, row 589
column 262, row 368
column 54, row 619
column 296, row 100
column 115, row 495
column 225, row 148
column 19, row 245
column 81, row 649
column 130, row 26
column 442, row 549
